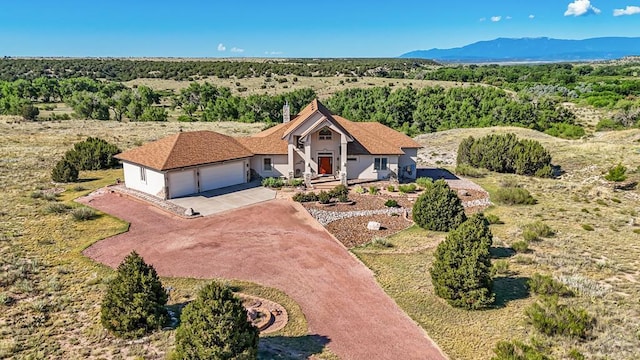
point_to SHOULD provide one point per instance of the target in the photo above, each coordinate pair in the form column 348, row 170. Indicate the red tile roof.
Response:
column 186, row 149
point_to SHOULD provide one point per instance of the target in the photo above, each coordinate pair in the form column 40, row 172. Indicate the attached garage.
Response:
column 181, row 183
column 218, row 176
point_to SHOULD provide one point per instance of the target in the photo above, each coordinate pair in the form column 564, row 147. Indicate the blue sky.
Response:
column 327, row 28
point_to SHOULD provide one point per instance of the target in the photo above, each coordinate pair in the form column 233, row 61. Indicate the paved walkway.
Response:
column 277, row 244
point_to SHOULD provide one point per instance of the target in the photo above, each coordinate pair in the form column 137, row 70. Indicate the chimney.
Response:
column 286, row 115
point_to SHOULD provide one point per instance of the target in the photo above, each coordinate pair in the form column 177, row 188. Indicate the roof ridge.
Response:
column 175, row 142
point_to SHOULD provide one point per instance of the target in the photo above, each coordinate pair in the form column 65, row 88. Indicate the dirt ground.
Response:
column 276, row 244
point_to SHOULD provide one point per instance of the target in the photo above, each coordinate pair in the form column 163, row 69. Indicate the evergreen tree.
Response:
column 438, row 208
column 64, row 171
column 461, row 272
column 215, row 326
column 134, row 303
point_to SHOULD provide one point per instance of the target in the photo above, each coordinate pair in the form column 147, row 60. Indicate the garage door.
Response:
column 182, row 183
column 217, row 176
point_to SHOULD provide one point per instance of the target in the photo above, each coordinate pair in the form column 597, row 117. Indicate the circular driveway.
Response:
column 277, row 244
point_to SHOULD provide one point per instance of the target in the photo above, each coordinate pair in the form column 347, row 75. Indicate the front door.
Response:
column 326, row 165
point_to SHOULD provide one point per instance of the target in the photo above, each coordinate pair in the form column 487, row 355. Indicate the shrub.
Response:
column 609, row 124
column 154, row 113
column 295, row 182
column 215, row 326
column 65, row 171
column 359, row 189
column 438, row 208
column 57, row 208
column 83, row 213
column 493, row 219
column 544, row 172
column 343, row 198
column 503, row 153
column 546, row 285
column 514, row 196
column 93, row 154
column 339, row 190
column 552, row 318
column 29, row 112
column 520, row 246
column 461, row 271
column 516, row 350
column 500, row 266
column 391, row 188
column 381, row 243
column 134, row 302
column 272, row 182
column 305, row 197
column 186, row 118
column 565, row 131
column 587, row 227
column 391, row 203
column 407, row 188
column 529, row 235
column 540, row 229
column 324, row 197
column 617, row 173
column 423, row 182
column 373, row 190
column 470, row 171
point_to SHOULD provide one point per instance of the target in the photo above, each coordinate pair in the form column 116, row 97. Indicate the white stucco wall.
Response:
column 279, row 162
column 325, row 146
column 363, row 168
column 153, row 185
column 409, row 159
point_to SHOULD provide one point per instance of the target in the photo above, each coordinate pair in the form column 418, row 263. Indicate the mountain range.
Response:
column 534, row 50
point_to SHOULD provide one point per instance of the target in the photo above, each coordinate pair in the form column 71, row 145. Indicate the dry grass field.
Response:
column 601, row 265
column 49, row 293
column 323, row 86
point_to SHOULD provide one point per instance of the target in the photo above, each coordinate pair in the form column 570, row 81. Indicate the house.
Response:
column 313, row 144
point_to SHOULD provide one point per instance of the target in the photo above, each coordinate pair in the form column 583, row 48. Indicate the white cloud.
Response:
column 273, row 52
column 629, row 10
column 532, row 16
column 221, row 47
column 496, row 18
column 236, row 50
column 580, row 8
column 483, row 19
column 508, row 18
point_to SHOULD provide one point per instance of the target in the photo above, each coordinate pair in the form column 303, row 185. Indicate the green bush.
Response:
column 565, row 131
column 500, row 266
column 186, row 118
column 514, row 196
column 552, row 318
column 547, row 286
column 343, row 198
column 391, row 188
column 83, row 213
column 29, row 112
column 438, row 208
column 503, row 153
column 540, row 229
column 154, row 113
column 373, row 190
column 617, row 173
column 407, row 188
column 609, row 124
column 461, row 271
column 587, row 227
column 305, row 197
column 423, row 182
column 133, row 304
column 272, row 182
column 516, row 350
column 339, row 190
column 57, row 208
column 324, row 197
column 215, row 326
column 295, row 182
column 65, row 171
column 529, row 235
column 493, row 219
column 544, row 172
column 391, row 203
column 468, row 170
column 359, row 189
column 93, row 154
column 520, row 246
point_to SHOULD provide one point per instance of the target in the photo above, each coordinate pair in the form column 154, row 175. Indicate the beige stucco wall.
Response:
column 363, row 168
column 279, row 162
column 153, row 185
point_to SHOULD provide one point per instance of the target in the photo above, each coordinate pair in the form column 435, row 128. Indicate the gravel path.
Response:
column 326, row 217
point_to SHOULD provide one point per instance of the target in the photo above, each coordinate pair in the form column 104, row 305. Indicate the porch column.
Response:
column 343, row 159
column 307, row 160
column 291, row 161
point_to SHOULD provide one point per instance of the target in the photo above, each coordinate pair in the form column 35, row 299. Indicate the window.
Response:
column 267, row 165
column 299, row 142
column 143, row 174
column 324, row 134
column 380, row 164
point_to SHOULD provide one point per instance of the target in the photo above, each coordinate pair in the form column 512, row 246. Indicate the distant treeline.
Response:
column 124, row 69
column 435, row 108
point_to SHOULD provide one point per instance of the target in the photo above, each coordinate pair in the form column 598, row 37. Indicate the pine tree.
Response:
column 134, row 303
column 215, row 326
column 461, row 272
column 438, row 208
column 64, row 171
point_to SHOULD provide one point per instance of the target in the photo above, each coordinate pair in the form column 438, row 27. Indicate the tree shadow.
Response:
column 509, row 288
column 557, row 171
column 435, row 174
column 501, row 252
column 83, row 180
column 291, row 347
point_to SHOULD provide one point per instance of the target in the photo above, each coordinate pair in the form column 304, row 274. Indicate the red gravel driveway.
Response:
column 277, row 244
